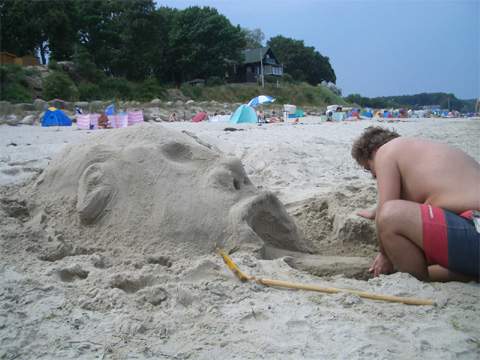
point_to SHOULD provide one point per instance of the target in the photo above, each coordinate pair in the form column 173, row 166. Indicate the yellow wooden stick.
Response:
column 232, row 266
column 329, row 290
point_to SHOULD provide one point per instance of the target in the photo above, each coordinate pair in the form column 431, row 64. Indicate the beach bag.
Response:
column 135, row 117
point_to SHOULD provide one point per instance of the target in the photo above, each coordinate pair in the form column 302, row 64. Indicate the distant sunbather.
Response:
column 172, row 117
column 103, row 122
column 427, row 196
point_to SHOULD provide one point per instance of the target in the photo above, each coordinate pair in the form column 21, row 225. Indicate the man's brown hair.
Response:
column 372, row 138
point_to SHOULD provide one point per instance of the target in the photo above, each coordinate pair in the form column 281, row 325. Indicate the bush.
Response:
column 15, row 93
column 288, row 78
column 85, row 68
column 149, row 89
column 89, row 91
column 13, row 84
column 192, row 92
column 271, row 79
column 119, row 88
column 59, row 85
column 53, row 65
column 215, row 81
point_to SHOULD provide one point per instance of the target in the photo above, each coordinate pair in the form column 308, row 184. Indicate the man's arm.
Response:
column 388, row 188
column 368, row 214
column 388, row 180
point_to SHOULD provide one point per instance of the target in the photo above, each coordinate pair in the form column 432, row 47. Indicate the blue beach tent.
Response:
column 244, row 114
column 55, row 117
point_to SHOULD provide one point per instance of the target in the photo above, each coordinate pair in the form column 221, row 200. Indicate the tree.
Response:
column 144, row 39
column 304, row 63
column 97, row 31
column 85, row 68
column 58, row 24
column 30, row 26
column 19, row 30
column 202, row 44
column 125, row 38
column 253, row 38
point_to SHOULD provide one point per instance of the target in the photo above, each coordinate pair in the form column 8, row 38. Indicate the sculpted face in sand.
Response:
column 157, row 190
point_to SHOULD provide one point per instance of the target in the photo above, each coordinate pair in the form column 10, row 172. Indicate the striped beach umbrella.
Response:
column 261, row 99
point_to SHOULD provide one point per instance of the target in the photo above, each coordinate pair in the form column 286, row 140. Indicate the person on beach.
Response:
column 274, row 118
column 103, row 122
column 260, row 116
column 427, row 210
column 173, row 117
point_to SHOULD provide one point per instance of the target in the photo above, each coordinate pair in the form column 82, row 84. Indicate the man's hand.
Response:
column 367, row 214
column 381, row 265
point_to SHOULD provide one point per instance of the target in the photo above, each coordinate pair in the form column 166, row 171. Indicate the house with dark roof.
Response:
column 250, row 70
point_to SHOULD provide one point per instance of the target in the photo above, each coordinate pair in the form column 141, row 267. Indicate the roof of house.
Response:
column 254, row 55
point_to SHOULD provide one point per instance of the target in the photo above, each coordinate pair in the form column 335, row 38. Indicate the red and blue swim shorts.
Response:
column 451, row 240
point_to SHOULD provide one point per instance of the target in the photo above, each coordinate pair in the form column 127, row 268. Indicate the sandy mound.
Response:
column 330, row 223
column 148, row 190
column 343, row 242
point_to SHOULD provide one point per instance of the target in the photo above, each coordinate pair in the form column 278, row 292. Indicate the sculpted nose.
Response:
column 261, row 220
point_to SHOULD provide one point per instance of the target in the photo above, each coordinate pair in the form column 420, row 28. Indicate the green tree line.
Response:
column 133, row 39
column 444, row 100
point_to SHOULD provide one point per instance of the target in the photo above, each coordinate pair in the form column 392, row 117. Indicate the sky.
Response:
column 376, row 47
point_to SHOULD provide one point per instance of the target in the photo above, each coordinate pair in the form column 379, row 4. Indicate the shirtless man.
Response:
column 426, row 194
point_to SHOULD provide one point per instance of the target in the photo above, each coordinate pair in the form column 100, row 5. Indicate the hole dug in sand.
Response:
column 143, row 287
column 130, row 283
column 14, row 208
column 72, row 273
column 342, row 242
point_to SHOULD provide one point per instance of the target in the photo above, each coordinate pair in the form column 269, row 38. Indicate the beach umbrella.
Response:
column 110, row 110
column 261, row 99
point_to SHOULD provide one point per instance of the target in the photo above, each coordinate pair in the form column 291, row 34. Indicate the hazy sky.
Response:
column 376, row 47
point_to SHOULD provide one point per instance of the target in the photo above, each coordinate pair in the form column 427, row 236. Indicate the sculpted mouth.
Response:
column 261, row 221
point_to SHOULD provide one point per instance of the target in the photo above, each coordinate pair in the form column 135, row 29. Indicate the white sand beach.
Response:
column 65, row 295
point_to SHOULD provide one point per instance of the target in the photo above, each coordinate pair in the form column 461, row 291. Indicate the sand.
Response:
column 100, row 293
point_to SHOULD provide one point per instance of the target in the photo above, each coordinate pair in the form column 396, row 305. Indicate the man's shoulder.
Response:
column 402, row 144
column 393, row 146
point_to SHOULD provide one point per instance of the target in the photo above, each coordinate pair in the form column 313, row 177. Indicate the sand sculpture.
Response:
column 147, row 189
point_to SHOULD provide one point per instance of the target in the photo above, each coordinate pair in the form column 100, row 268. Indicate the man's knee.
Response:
column 390, row 216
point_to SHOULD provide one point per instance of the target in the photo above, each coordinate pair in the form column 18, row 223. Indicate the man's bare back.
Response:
column 425, row 193
column 433, row 173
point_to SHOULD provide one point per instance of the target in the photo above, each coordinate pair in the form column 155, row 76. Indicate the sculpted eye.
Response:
column 230, row 174
column 177, row 152
column 236, row 184
column 94, row 194
column 225, row 179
